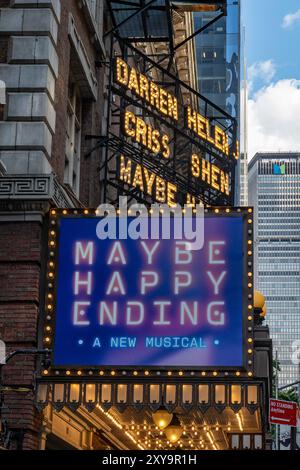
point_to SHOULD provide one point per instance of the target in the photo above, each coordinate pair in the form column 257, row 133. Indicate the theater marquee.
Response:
column 151, row 304
column 170, row 151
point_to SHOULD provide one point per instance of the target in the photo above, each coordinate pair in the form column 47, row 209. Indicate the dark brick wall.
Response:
column 21, row 244
column 20, row 271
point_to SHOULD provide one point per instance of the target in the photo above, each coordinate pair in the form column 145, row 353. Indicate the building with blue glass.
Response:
column 274, row 191
column 218, row 57
column 218, row 63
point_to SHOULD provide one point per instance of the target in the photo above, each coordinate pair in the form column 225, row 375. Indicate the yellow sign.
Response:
column 210, row 174
column 147, row 182
column 154, row 95
column 212, row 134
column 145, row 135
column 158, row 142
column 166, row 104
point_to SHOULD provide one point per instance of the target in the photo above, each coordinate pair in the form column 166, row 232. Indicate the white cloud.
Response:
column 264, row 70
column 290, row 19
column 273, row 118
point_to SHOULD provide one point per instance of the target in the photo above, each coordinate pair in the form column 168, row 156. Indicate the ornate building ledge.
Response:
column 36, row 188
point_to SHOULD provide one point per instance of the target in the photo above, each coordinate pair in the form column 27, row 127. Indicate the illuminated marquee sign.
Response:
column 149, row 303
column 145, row 135
column 149, row 183
column 210, row 173
column 153, row 94
column 158, row 142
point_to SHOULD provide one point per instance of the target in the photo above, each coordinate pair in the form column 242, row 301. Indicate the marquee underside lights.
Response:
column 134, row 324
column 157, row 397
column 187, row 406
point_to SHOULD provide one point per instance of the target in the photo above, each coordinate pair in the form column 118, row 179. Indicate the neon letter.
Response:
column 83, row 282
column 116, row 284
column 161, row 304
column 214, row 252
column 104, row 310
column 151, row 252
column 179, row 282
column 79, row 313
column 129, row 320
column 216, row 282
column 150, row 282
column 215, row 317
column 182, row 256
column 84, row 251
column 193, row 316
column 116, row 254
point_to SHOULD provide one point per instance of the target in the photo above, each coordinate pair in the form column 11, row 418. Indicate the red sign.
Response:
column 283, row 412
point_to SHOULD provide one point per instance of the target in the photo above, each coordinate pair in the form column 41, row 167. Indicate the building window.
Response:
column 73, row 138
column 209, row 55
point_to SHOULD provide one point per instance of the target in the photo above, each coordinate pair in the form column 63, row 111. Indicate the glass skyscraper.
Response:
column 274, row 191
column 218, row 57
column 218, row 61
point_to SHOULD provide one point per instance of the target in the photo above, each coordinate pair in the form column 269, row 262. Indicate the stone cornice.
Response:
column 21, row 191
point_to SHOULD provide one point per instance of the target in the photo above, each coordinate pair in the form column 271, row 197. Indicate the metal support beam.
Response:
column 200, row 30
column 140, row 10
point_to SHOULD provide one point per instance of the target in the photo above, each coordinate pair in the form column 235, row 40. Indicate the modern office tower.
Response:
column 274, row 191
column 218, row 63
column 62, row 129
column 243, row 180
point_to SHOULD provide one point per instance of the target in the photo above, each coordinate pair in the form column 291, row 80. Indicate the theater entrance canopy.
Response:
column 157, row 338
column 201, row 414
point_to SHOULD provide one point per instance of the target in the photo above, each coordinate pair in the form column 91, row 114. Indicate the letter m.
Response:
column 84, row 252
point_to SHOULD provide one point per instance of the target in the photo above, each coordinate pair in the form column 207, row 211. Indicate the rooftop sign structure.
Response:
column 164, row 141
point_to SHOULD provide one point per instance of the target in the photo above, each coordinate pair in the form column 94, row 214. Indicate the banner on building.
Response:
column 152, row 303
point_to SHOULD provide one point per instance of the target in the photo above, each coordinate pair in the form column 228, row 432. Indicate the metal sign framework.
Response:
column 162, row 69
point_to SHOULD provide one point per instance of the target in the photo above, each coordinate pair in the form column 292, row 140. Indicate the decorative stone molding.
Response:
column 24, row 162
column 148, row 396
column 35, row 188
column 26, row 136
column 26, row 77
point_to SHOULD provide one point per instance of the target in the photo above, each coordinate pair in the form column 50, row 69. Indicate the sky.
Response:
column 272, row 29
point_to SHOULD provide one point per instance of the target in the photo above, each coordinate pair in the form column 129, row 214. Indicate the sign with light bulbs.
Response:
column 126, row 302
column 140, row 129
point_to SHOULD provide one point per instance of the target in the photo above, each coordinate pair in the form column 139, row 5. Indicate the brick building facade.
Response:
column 49, row 51
column 53, row 109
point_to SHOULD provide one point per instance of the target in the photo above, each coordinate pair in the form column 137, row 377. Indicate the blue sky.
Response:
column 266, row 38
column 273, row 60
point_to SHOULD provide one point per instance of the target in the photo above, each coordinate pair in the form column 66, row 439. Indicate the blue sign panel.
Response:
column 150, row 303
